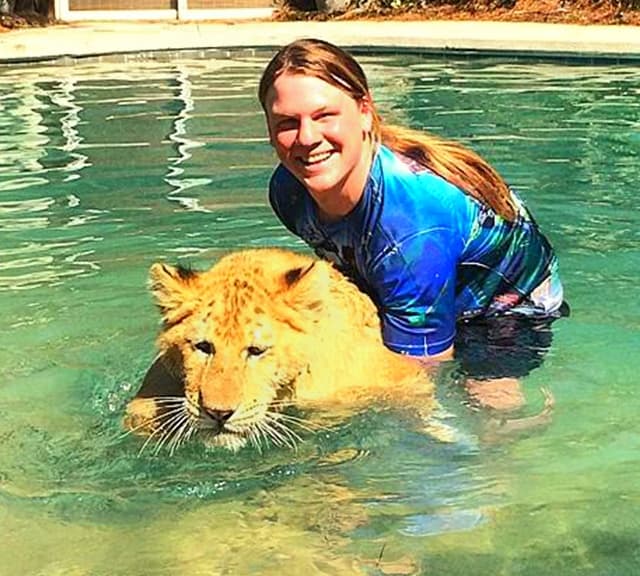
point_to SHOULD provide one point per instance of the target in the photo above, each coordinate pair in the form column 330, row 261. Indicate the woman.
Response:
column 425, row 226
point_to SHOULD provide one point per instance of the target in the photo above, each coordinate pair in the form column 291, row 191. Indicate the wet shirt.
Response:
column 428, row 254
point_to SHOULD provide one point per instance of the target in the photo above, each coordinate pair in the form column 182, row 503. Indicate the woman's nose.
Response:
column 308, row 132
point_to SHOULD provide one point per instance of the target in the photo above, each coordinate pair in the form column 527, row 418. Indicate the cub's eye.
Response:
column 205, row 347
column 256, row 351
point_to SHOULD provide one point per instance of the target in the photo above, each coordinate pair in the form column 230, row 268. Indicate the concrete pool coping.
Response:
column 86, row 39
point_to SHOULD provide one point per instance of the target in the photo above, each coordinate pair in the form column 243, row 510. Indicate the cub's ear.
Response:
column 306, row 287
column 171, row 286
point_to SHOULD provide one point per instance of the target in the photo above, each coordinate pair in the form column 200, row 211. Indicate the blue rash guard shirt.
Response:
column 427, row 253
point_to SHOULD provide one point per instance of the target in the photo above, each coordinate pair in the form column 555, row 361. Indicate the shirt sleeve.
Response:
column 415, row 283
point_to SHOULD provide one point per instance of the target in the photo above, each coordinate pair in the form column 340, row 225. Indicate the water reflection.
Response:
column 175, row 175
column 108, row 145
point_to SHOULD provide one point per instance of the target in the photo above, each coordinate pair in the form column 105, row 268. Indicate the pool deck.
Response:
column 82, row 39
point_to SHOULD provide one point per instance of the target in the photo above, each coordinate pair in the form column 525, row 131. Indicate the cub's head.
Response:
column 242, row 335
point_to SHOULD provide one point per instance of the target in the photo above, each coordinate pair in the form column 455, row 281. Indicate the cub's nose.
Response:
column 219, row 416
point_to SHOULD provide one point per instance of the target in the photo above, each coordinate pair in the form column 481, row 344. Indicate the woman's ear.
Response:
column 269, row 130
column 366, row 110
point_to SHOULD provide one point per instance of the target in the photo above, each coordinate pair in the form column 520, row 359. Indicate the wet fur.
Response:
column 261, row 331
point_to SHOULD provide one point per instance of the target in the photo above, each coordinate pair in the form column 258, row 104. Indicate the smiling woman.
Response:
column 425, row 226
column 321, row 139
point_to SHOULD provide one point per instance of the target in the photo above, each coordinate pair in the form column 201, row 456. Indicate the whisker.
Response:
column 180, row 433
column 164, row 438
column 265, row 429
column 191, row 430
column 180, row 397
column 149, row 438
column 166, row 413
column 260, row 434
column 170, row 430
column 276, row 418
column 280, row 431
column 245, row 416
column 291, row 440
column 289, row 432
column 176, row 441
column 167, row 399
column 255, row 438
column 271, row 427
column 167, row 420
column 302, row 423
column 244, row 421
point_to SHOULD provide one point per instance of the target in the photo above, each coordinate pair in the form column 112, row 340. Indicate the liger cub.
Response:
column 262, row 331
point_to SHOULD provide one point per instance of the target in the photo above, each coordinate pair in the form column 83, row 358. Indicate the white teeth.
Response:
column 316, row 158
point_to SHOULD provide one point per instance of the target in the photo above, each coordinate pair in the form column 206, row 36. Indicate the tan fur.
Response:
column 268, row 328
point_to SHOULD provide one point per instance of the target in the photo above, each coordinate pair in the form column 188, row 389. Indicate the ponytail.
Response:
column 453, row 162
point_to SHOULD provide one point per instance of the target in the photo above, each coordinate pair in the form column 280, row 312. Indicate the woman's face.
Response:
column 320, row 134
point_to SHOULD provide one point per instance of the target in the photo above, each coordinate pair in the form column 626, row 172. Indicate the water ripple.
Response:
column 19, row 184
column 107, row 167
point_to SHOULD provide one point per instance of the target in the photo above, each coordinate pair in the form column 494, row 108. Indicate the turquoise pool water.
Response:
column 107, row 167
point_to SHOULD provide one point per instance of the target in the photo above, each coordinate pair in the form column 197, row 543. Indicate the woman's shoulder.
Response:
column 416, row 186
column 398, row 166
column 394, row 162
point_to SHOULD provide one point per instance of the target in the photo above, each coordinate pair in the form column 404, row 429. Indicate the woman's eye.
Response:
column 205, row 347
column 289, row 124
column 256, row 351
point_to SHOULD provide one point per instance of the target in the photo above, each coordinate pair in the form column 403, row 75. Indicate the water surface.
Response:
column 107, row 167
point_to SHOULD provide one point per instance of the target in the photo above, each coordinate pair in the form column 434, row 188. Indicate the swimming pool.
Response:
column 107, row 167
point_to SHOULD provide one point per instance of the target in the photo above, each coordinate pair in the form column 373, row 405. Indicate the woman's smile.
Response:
column 321, row 135
column 316, row 158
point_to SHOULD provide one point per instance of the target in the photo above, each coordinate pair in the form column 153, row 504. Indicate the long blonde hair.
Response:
column 449, row 159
